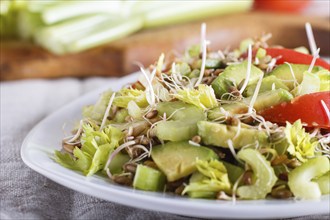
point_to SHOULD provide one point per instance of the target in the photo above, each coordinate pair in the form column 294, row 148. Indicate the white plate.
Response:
column 37, row 151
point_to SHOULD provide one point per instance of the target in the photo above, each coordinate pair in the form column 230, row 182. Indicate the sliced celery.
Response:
column 69, row 9
column 28, row 24
column 300, row 178
column 324, row 183
column 107, row 34
column 134, row 110
column 263, row 172
column 183, row 11
column 121, row 115
column 149, row 179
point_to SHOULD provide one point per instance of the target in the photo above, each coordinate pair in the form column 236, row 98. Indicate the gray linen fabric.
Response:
column 25, row 194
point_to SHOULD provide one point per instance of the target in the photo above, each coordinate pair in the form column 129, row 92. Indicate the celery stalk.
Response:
column 107, row 34
column 28, row 24
column 147, row 178
column 37, row 6
column 324, row 183
column 58, row 37
column 264, row 173
column 183, row 11
column 70, row 9
column 300, row 178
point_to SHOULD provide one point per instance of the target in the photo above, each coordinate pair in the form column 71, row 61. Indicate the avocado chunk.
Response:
column 180, row 111
column 267, row 84
column 283, row 72
column 233, row 75
column 218, row 135
column 178, row 159
column 263, row 101
column 182, row 125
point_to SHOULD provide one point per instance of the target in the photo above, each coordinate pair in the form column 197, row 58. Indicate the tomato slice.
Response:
column 281, row 5
column 307, row 107
column 291, row 56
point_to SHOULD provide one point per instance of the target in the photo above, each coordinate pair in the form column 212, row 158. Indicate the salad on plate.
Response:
column 249, row 123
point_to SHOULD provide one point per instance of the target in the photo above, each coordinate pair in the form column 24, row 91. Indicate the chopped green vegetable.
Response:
column 149, row 179
column 324, row 183
column 218, row 135
column 232, row 76
column 178, row 159
column 310, row 84
column 300, row 143
column 264, row 174
column 216, row 178
column 203, row 97
column 92, row 156
column 300, row 179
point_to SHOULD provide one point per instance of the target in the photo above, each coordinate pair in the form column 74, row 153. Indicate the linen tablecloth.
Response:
column 25, row 194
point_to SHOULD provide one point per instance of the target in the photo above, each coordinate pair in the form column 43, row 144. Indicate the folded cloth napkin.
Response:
column 25, row 194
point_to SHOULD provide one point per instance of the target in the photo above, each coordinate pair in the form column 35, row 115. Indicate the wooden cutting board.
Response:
column 20, row 60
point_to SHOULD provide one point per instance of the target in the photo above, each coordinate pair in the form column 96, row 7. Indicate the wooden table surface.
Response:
column 21, row 60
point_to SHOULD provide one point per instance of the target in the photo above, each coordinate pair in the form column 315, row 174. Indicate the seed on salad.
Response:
column 281, row 192
column 247, row 177
column 155, row 119
column 179, row 190
column 217, row 72
column 123, row 179
column 151, row 164
column 128, row 118
column 197, row 139
column 283, row 176
column 138, row 128
column 67, row 147
column 144, row 140
column 279, row 160
column 151, row 114
column 294, row 163
column 130, row 167
column 208, row 72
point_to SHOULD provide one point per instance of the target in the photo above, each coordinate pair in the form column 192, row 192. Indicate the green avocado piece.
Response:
column 283, row 72
column 233, row 75
column 176, row 130
column 218, row 135
column 263, row 101
column 180, row 111
column 182, row 124
column 178, row 159
column 267, row 84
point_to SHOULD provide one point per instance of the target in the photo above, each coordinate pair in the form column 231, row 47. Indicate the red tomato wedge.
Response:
column 281, row 5
column 308, row 108
column 291, row 56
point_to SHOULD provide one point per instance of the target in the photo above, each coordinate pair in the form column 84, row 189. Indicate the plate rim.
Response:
column 138, row 198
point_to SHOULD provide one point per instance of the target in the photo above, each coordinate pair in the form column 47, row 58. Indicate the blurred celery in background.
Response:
column 73, row 26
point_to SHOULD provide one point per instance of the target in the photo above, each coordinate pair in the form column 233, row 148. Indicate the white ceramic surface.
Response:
column 37, row 151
